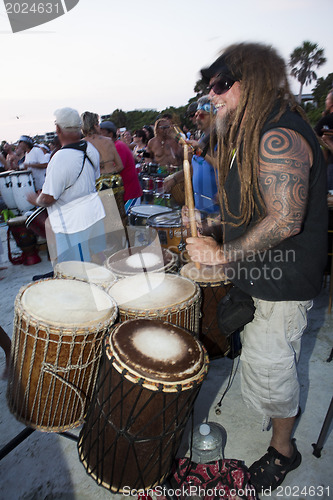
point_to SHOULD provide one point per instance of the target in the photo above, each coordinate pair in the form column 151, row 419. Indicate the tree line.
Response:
column 303, row 62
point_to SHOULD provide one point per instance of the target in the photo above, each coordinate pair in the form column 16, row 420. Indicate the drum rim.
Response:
column 6, row 173
column 164, row 225
column 20, row 219
column 153, row 384
column 55, row 328
column 164, row 209
column 203, row 283
column 20, row 172
column 60, row 273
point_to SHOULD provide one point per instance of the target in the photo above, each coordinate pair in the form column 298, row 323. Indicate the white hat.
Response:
column 68, row 118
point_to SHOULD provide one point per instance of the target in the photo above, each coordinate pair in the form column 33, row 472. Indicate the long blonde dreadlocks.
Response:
column 263, row 79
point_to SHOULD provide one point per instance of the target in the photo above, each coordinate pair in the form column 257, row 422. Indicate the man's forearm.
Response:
column 265, row 235
column 35, row 165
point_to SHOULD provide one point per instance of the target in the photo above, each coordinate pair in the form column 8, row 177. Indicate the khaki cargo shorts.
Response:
column 271, row 346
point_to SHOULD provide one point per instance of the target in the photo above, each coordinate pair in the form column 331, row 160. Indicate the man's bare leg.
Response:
column 281, row 438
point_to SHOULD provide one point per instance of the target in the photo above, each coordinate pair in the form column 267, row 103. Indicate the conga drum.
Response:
column 168, row 297
column 150, row 376
column 36, row 222
column 23, row 184
column 59, row 326
column 25, row 240
column 6, row 190
column 214, row 286
column 85, row 271
column 134, row 260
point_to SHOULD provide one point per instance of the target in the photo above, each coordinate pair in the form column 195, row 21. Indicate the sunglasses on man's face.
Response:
column 221, row 85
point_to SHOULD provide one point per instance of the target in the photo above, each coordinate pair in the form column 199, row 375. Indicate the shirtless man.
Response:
column 163, row 148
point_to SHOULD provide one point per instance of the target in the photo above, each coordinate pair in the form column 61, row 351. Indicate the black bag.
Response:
column 234, row 310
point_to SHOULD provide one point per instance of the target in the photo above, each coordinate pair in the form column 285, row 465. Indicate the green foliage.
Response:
column 313, row 113
column 134, row 120
column 200, row 88
column 320, row 91
column 302, row 61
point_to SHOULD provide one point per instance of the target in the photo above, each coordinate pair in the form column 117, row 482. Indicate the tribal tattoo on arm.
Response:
column 285, row 160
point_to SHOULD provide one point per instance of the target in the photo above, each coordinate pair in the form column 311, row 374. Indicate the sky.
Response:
column 139, row 54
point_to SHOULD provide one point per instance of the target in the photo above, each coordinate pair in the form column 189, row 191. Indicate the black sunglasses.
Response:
column 222, row 85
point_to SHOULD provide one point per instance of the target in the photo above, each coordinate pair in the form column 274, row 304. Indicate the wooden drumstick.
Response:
column 189, row 196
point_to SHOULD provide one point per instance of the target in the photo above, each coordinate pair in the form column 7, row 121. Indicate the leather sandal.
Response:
column 271, row 469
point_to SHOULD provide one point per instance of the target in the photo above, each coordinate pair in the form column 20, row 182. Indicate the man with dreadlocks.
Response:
column 272, row 190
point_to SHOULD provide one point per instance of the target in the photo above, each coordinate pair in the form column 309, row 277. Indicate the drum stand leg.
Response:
column 24, row 435
column 16, row 441
column 318, row 446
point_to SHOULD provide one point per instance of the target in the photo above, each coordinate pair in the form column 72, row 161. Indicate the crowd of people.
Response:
column 257, row 167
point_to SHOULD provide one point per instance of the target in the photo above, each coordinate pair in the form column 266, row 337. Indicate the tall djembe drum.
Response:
column 150, row 376
column 59, row 326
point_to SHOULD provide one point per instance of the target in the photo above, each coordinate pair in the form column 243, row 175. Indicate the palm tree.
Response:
column 302, row 60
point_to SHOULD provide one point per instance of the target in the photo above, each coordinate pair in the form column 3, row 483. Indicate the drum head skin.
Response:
column 137, row 259
column 170, row 219
column 149, row 210
column 65, row 303
column 17, row 221
column 86, row 271
column 204, row 274
column 156, row 350
column 152, row 291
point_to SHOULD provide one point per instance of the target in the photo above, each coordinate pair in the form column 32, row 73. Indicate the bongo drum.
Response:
column 36, row 222
column 170, row 231
column 150, row 376
column 168, row 297
column 59, row 325
column 23, row 184
column 214, row 286
column 141, row 259
column 85, row 271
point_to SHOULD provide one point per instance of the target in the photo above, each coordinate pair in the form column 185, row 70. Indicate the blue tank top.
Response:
column 204, row 185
